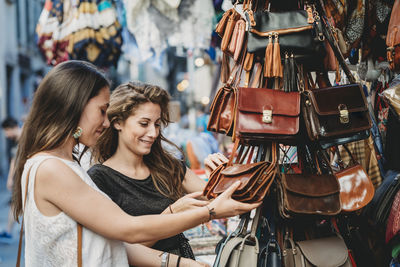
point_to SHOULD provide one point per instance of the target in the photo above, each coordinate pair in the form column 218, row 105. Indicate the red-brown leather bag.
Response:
column 256, row 178
column 393, row 38
column 267, row 114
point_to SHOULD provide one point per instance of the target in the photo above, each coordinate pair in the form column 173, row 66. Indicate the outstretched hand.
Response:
column 188, row 201
column 212, row 161
column 224, row 206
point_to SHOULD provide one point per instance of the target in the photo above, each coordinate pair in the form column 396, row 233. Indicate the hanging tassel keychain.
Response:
column 268, row 58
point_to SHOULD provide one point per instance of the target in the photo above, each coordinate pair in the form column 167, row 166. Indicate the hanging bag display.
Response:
column 393, row 38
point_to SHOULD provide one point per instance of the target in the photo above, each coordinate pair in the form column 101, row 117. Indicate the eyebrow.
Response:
column 145, row 118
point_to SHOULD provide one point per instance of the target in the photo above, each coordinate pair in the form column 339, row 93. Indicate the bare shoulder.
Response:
column 53, row 169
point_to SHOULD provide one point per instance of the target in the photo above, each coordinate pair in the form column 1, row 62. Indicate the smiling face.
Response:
column 139, row 131
column 94, row 118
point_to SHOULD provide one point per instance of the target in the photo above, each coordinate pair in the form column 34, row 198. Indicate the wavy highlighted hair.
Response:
column 166, row 170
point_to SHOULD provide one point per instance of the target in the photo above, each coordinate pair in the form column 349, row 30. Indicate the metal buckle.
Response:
column 344, row 114
column 267, row 116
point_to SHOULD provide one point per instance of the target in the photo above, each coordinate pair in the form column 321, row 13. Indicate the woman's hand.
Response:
column 212, row 161
column 224, row 206
column 188, row 201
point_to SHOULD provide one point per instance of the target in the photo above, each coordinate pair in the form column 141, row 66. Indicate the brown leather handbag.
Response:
column 310, row 194
column 228, row 30
column 356, row 188
column 223, row 107
column 267, row 114
column 256, row 179
column 335, row 112
column 393, row 38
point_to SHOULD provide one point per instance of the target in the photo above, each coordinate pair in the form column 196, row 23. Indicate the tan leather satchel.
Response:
column 393, row 38
column 237, row 40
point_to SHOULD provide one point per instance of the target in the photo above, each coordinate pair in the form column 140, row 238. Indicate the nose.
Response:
column 106, row 122
column 153, row 131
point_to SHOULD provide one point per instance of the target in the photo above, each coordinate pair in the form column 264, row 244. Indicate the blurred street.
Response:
column 8, row 250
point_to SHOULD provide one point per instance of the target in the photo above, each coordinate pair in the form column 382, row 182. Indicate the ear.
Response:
column 117, row 125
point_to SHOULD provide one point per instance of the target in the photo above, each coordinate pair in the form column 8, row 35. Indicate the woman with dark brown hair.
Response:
column 55, row 194
column 136, row 172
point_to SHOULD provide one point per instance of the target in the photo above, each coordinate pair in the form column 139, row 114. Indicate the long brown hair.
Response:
column 166, row 170
column 55, row 113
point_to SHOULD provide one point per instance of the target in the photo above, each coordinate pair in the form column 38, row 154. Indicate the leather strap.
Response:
column 327, row 29
column 79, row 230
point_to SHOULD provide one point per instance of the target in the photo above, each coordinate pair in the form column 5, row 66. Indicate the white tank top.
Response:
column 52, row 241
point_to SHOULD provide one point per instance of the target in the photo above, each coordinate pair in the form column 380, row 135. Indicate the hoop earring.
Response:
column 77, row 133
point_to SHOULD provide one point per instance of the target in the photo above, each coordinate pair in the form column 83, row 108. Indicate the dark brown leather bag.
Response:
column 308, row 194
column 334, row 112
column 256, row 179
column 356, row 188
column 267, row 114
column 393, row 38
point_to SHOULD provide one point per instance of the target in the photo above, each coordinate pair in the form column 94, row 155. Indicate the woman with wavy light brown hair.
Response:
column 136, row 171
column 55, row 194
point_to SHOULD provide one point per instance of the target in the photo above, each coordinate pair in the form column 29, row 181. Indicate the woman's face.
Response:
column 94, row 118
column 139, row 131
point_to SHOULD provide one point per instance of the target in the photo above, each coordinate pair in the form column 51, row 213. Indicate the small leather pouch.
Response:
column 220, row 29
column 267, row 114
column 237, row 40
column 308, row 194
column 233, row 18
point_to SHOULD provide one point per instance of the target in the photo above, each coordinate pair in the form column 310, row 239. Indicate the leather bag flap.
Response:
column 327, row 100
column 255, row 100
column 311, row 185
column 268, row 21
column 327, row 252
column 239, row 169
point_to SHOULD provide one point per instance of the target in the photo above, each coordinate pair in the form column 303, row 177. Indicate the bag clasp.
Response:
column 344, row 114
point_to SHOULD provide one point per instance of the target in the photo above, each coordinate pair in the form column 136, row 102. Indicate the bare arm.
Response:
column 57, row 187
column 139, row 255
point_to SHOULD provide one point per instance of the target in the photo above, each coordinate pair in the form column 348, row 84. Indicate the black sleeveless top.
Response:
column 138, row 197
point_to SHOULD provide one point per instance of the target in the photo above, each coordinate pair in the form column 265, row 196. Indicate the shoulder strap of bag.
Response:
column 327, row 29
column 79, row 230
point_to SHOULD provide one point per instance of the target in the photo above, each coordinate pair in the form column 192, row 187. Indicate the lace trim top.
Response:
column 52, row 240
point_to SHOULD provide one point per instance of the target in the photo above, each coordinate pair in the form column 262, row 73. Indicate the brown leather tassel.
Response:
column 277, row 64
column 268, row 59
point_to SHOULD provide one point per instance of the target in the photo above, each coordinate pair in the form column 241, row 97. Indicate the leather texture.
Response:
column 322, row 112
column 393, row 223
column 284, row 108
column 321, row 252
column 230, row 25
column 293, row 27
column 255, row 178
column 356, row 189
column 310, row 194
column 344, row 140
column 393, row 37
column 220, row 29
column 237, row 39
column 222, row 111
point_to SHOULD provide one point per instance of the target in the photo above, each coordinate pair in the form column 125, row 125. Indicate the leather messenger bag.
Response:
column 335, row 112
column 267, row 114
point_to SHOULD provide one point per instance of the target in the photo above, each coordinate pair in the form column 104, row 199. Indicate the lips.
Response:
column 146, row 142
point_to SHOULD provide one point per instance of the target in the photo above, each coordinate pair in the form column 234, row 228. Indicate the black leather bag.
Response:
column 294, row 29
